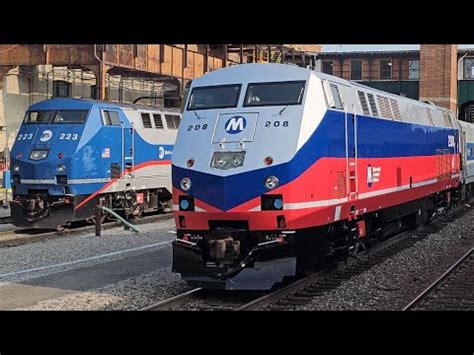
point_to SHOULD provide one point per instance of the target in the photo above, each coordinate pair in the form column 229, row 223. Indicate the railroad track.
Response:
column 200, row 299
column 23, row 236
column 453, row 290
column 302, row 291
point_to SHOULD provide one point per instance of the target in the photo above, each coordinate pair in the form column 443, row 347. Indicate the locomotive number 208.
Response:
column 197, row 127
column 277, row 123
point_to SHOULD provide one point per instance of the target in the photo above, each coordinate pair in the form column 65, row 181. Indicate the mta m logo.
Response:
column 235, row 124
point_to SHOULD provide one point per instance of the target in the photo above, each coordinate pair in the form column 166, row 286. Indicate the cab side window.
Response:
column 110, row 118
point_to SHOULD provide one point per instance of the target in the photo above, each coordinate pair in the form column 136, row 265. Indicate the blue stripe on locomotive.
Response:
column 83, row 157
column 377, row 138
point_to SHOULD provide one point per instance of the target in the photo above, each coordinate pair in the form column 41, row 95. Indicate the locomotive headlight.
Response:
column 185, row 183
column 238, row 159
column 271, row 182
column 60, row 168
column 227, row 160
column 221, row 160
column 16, row 168
column 38, row 154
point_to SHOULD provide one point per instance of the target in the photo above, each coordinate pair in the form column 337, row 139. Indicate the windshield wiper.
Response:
column 283, row 109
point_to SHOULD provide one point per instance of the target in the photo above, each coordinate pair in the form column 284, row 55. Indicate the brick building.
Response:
column 399, row 72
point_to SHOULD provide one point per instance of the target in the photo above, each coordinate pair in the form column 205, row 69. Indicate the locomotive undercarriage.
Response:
column 235, row 258
column 41, row 210
column 131, row 203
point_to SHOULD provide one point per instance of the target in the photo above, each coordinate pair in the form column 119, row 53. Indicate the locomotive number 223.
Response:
column 69, row 136
column 24, row 137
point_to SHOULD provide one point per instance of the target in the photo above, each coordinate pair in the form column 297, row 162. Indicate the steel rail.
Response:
column 173, row 301
column 422, row 296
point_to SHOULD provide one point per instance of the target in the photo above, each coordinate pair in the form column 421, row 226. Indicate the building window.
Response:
column 356, row 69
column 94, row 92
column 61, row 88
column 469, row 68
column 328, row 67
column 413, row 70
column 385, row 69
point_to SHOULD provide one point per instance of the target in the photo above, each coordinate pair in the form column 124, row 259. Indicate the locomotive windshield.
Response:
column 38, row 116
column 69, row 116
column 209, row 97
column 59, row 116
column 270, row 94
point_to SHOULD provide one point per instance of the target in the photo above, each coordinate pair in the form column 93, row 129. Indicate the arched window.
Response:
column 61, row 88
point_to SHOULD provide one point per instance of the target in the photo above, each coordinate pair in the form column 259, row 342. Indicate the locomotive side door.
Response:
column 351, row 153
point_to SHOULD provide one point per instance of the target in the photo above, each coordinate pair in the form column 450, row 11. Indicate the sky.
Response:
column 375, row 47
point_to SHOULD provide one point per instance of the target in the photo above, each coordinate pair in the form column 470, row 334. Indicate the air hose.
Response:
column 120, row 218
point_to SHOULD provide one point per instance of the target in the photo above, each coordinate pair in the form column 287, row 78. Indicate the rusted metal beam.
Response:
column 185, row 56
column 206, row 59
column 18, row 54
column 224, row 49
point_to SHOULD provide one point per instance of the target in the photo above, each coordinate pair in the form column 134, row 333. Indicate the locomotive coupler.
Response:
column 225, row 250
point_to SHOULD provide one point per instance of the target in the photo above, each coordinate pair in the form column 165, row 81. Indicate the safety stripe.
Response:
column 312, row 204
column 88, row 181
column 333, row 202
column 38, row 181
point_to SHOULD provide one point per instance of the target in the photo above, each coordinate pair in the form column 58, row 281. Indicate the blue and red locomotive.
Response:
column 277, row 168
column 70, row 155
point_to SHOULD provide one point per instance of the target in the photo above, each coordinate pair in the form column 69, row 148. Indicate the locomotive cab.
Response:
column 42, row 163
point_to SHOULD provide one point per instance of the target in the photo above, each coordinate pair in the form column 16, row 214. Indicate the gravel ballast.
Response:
column 43, row 254
column 392, row 284
column 133, row 293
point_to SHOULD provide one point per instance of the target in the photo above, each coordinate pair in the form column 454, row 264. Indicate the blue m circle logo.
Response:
column 235, row 124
